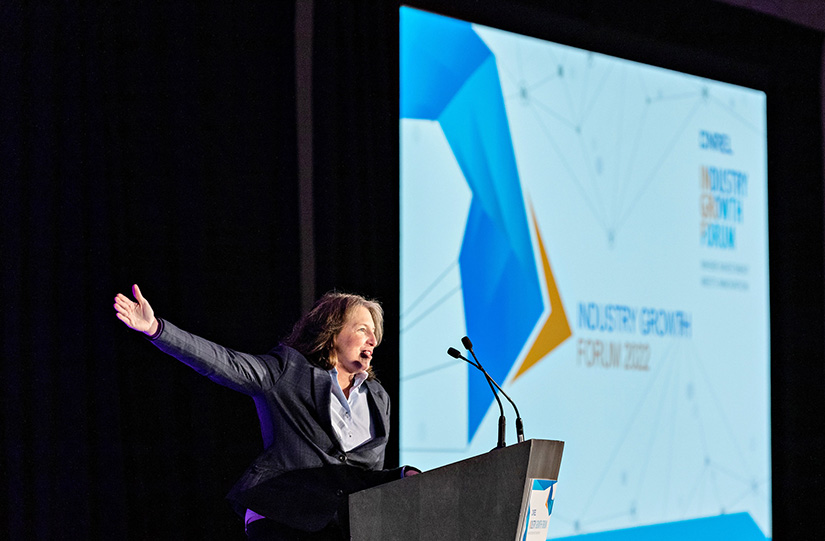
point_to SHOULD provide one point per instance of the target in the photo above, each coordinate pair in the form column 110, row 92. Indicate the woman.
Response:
column 324, row 417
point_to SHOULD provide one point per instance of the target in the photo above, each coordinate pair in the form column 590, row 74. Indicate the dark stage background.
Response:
column 169, row 144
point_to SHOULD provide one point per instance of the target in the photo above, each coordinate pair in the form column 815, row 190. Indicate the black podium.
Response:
column 482, row 498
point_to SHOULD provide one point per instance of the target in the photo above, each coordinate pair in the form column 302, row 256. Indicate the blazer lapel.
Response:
column 378, row 409
column 322, row 384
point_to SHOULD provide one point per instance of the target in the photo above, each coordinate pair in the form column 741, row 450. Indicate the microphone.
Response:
column 519, row 425
column 502, row 422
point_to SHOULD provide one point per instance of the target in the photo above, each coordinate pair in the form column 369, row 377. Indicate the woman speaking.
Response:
column 324, row 417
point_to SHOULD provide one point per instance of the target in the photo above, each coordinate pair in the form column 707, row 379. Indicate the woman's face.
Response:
column 353, row 347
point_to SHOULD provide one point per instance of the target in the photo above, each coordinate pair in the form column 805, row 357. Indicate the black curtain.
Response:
column 355, row 112
column 150, row 143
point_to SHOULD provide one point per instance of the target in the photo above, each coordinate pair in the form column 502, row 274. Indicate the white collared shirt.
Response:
column 351, row 419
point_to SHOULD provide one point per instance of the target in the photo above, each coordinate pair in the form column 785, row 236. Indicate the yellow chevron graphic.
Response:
column 556, row 328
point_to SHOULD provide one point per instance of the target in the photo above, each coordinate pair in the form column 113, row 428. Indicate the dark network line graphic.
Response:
column 405, row 310
column 611, row 192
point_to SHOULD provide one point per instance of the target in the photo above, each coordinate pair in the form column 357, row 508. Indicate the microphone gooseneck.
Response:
column 519, row 425
column 502, row 421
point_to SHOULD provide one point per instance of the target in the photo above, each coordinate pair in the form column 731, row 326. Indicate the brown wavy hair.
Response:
column 313, row 335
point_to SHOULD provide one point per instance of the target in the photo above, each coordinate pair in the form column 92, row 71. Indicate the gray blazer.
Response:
column 303, row 477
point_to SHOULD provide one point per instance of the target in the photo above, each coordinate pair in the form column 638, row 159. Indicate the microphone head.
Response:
column 454, row 353
column 466, row 342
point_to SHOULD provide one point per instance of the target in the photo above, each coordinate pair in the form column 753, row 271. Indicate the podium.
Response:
column 482, row 498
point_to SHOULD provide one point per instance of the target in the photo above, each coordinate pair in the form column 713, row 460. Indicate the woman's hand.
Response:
column 136, row 315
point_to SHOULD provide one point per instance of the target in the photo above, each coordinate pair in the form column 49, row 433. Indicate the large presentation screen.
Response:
column 598, row 228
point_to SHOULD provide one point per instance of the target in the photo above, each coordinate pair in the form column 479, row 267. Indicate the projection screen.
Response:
column 598, row 228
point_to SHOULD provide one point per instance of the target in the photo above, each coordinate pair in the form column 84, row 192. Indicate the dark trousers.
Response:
column 269, row 530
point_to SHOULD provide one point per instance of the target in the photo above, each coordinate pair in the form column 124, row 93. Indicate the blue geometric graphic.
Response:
column 449, row 75
column 736, row 526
